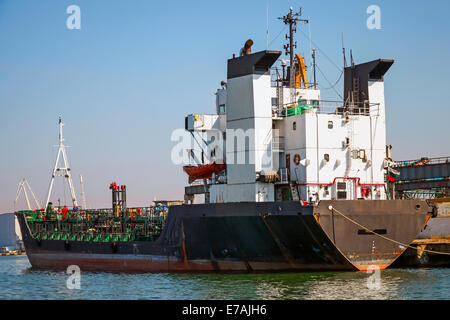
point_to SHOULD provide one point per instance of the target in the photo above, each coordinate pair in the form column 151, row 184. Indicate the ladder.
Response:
column 279, row 92
column 280, row 99
column 294, row 192
column 292, row 89
column 355, row 93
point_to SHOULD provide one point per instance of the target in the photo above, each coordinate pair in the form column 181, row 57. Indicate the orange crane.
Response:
column 300, row 74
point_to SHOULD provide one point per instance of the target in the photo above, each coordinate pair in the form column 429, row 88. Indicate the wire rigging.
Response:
column 318, row 48
column 341, row 69
column 332, row 87
column 335, row 84
column 383, row 237
column 273, row 40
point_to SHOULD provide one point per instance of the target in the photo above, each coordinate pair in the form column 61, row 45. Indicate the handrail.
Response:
column 421, row 162
column 331, row 107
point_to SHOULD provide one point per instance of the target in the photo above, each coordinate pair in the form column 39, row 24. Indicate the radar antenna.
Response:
column 291, row 19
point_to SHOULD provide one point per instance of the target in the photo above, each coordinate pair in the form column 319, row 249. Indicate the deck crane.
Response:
column 23, row 185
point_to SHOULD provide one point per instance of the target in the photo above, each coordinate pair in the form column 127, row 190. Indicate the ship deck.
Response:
column 137, row 224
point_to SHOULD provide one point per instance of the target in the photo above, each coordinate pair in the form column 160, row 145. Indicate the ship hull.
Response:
column 249, row 237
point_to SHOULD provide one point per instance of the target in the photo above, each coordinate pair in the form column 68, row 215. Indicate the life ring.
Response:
column 297, row 159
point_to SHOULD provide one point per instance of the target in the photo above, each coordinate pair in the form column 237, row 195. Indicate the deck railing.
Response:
column 421, row 162
column 326, row 107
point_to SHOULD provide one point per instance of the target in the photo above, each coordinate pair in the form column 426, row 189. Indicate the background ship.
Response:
column 311, row 193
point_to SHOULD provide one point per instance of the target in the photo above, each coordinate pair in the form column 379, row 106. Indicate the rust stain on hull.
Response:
column 43, row 261
column 183, row 247
column 367, row 267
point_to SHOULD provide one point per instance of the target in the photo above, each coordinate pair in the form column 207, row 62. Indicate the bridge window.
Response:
column 342, row 186
column 342, row 194
column 342, row 190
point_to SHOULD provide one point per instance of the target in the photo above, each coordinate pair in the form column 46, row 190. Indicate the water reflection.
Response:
column 394, row 284
column 18, row 281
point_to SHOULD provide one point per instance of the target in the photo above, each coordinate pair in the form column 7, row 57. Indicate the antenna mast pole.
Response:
column 83, row 195
column 291, row 19
column 314, row 66
column 65, row 171
column 267, row 27
column 343, row 51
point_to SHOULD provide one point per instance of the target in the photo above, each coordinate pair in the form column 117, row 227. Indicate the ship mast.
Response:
column 61, row 171
column 83, row 195
column 314, row 67
column 291, row 19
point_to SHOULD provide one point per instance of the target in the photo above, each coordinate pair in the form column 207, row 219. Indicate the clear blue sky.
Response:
column 127, row 79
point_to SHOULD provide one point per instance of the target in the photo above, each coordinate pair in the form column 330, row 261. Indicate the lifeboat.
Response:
column 204, row 171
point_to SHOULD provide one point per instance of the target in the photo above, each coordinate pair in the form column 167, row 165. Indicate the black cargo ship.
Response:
column 306, row 215
column 238, row 237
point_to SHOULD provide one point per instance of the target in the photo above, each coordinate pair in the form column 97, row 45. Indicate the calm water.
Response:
column 18, row 281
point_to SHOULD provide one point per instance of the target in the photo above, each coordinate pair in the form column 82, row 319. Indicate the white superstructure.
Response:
column 281, row 142
column 318, row 149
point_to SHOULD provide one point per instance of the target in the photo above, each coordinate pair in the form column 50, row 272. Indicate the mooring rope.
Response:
column 385, row 238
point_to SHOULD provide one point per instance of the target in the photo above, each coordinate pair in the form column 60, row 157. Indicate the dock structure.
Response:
column 431, row 248
column 428, row 177
column 21, row 253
